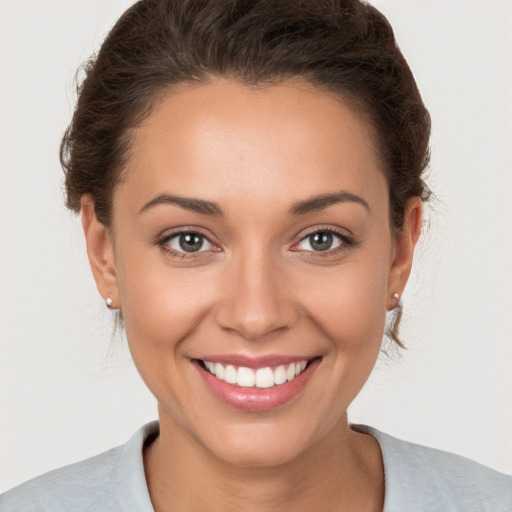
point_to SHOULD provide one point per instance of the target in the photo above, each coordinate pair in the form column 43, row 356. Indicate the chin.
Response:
column 262, row 443
column 258, row 453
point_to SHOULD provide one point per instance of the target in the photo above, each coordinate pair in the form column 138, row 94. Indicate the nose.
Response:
column 255, row 303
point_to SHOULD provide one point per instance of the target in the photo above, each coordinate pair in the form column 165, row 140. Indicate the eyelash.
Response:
column 345, row 242
column 163, row 243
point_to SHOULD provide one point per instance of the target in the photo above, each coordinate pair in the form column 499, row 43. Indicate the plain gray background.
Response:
column 68, row 392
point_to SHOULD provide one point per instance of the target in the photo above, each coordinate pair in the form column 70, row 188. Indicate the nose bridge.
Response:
column 254, row 302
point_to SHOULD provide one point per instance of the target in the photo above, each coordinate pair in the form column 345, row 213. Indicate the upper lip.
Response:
column 247, row 361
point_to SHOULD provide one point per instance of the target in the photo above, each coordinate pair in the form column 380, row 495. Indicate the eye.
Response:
column 188, row 242
column 320, row 241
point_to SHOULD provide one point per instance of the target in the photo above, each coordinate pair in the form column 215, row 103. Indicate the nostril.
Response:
column 251, row 325
column 253, row 302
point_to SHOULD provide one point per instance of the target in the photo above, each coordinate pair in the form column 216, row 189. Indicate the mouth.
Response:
column 256, row 385
column 262, row 378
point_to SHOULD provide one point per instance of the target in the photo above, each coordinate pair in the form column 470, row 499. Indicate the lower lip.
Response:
column 256, row 399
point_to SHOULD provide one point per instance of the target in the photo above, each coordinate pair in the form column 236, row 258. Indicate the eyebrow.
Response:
column 322, row 201
column 188, row 203
column 205, row 207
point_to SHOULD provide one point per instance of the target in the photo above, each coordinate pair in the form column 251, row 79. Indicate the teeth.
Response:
column 280, row 375
column 219, row 371
column 290, row 372
column 230, row 374
column 245, row 377
column 260, row 378
column 264, row 378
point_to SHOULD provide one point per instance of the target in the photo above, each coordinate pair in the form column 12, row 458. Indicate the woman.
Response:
column 250, row 184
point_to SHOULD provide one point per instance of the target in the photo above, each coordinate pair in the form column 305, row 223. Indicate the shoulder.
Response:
column 81, row 486
column 438, row 480
column 103, row 483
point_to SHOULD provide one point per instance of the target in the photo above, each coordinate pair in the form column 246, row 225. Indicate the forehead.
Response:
column 223, row 139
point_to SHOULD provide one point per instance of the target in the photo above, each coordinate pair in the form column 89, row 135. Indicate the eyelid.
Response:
column 346, row 240
column 162, row 241
column 206, row 246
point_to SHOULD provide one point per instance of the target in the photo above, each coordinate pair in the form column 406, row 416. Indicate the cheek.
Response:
column 162, row 309
column 162, row 305
column 352, row 316
column 349, row 303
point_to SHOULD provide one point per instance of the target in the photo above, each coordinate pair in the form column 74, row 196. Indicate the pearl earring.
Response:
column 396, row 296
column 108, row 302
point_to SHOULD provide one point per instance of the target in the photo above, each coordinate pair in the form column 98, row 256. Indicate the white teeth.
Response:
column 230, row 374
column 260, row 378
column 219, row 371
column 290, row 372
column 245, row 377
column 264, row 378
column 280, row 375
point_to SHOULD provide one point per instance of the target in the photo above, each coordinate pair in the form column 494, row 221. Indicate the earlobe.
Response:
column 404, row 244
column 100, row 252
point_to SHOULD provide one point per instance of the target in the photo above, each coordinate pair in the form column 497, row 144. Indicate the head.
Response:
column 250, row 180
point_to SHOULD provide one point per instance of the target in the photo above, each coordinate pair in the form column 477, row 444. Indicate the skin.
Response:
column 257, row 288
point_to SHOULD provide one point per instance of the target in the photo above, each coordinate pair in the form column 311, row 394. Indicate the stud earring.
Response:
column 108, row 302
column 396, row 296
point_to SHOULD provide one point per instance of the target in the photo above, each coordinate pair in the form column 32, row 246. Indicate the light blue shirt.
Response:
column 417, row 479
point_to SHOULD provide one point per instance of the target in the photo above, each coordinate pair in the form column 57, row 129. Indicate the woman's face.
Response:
column 251, row 230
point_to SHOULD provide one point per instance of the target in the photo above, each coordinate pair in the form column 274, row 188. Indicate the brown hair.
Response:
column 344, row 46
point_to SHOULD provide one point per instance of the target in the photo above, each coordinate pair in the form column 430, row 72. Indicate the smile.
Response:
column 256, row 385
column 259, row 378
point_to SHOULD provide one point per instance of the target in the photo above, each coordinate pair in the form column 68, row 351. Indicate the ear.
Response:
column 100, row 252
column 404, row 244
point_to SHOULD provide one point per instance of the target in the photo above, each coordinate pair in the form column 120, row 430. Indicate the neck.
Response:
column 342, row 471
